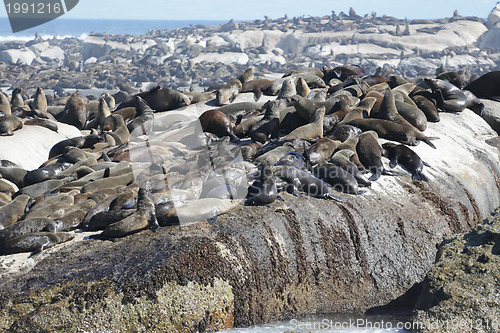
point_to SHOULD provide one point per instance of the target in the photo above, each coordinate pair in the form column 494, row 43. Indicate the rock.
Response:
column 225, row 58
column 30, row 146
column 23, row 56
column 460, row 293
column 491, row 114
column 260, row 264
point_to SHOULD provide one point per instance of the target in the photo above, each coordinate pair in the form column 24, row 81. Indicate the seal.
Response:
column 406, row 158
column 344, row 132
column 4, row 104
column 9, row 124
column 263, row 190
column 42, row 174
column 342, row 159
column 39, row 104
column 247, row 76
column 403, row 133
column 302, row 181
column 216, row 122
column 87, row 141
column 268, row 126
column 71, row 220
column 144, row 118
column 454, row 78
column 313, row 130
column 320, row 151
column 362, row 110
column 228, row 92
column 75, row 112
column 144, row 217
column 120, row 131
column 486, row 86
column 288, row 88
column 302, row 88
column 197, row 97
column 338, row 178
column 257, row 86
column 411, row 113
column 13, row 174
column 427, row 107
column 159, row 99
column 103, row 112
column 448, row 96
column 388, row 109
column 23, row 227
column 17, row 98
column 102, row 219
column 34, row 242
column 370, row 154
column 473, row 103
column 42, row 123
column 12, row 212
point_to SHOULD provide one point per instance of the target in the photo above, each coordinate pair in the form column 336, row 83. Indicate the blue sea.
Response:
column 81, row 28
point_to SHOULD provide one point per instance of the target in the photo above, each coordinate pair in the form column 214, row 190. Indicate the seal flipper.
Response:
column 40, row 247
column 386, row 172
column 426, row 164
column 375, row 176
column 428, row 141
column 257, row 94
column 419, row 176
column 233, row 97
column 332, row 197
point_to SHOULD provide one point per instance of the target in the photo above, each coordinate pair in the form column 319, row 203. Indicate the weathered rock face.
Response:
column 258, row 264
column 460, row 293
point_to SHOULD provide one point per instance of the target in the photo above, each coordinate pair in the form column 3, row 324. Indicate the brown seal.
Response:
column 87, row 141
column 313, row 130
column 34, row 242
column 257, row 86
column 427, row 107
column 320, row 151
column 43, row 123
column 75, row 112
column 248, row 75
column 159, row 99
column 228, row 92
column 4, row 104
column 216, row 122
column 39, row 104
column 12, row 212
column 390, row 130
column 103, row 111
column 9, row 124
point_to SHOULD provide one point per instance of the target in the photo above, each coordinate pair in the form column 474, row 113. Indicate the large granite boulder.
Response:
column 257, row 264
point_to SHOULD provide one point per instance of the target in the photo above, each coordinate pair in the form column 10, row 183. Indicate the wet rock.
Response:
column 460, row 293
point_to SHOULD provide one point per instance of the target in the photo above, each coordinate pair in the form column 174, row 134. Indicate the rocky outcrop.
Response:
column 460, row 293
column 258, row 264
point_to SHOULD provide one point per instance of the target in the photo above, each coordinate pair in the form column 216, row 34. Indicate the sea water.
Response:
column 81, row 28
column 335, row 323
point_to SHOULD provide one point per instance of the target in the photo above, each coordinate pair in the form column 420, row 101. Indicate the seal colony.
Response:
column 317, row 132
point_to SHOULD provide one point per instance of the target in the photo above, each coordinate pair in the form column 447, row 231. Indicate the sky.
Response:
column 256, row 9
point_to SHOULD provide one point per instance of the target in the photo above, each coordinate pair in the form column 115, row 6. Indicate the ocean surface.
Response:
column 81, row 28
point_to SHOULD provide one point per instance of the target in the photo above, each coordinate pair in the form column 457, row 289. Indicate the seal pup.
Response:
column 406, row 158
column 263, row 190
column 228, row 92
column 268, row 126
column 370, row 155
column 427, row 107
column 449, row 97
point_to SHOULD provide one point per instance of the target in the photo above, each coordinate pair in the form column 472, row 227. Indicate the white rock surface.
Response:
column 23, row 56
column 225, row 58
column 29, row 147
